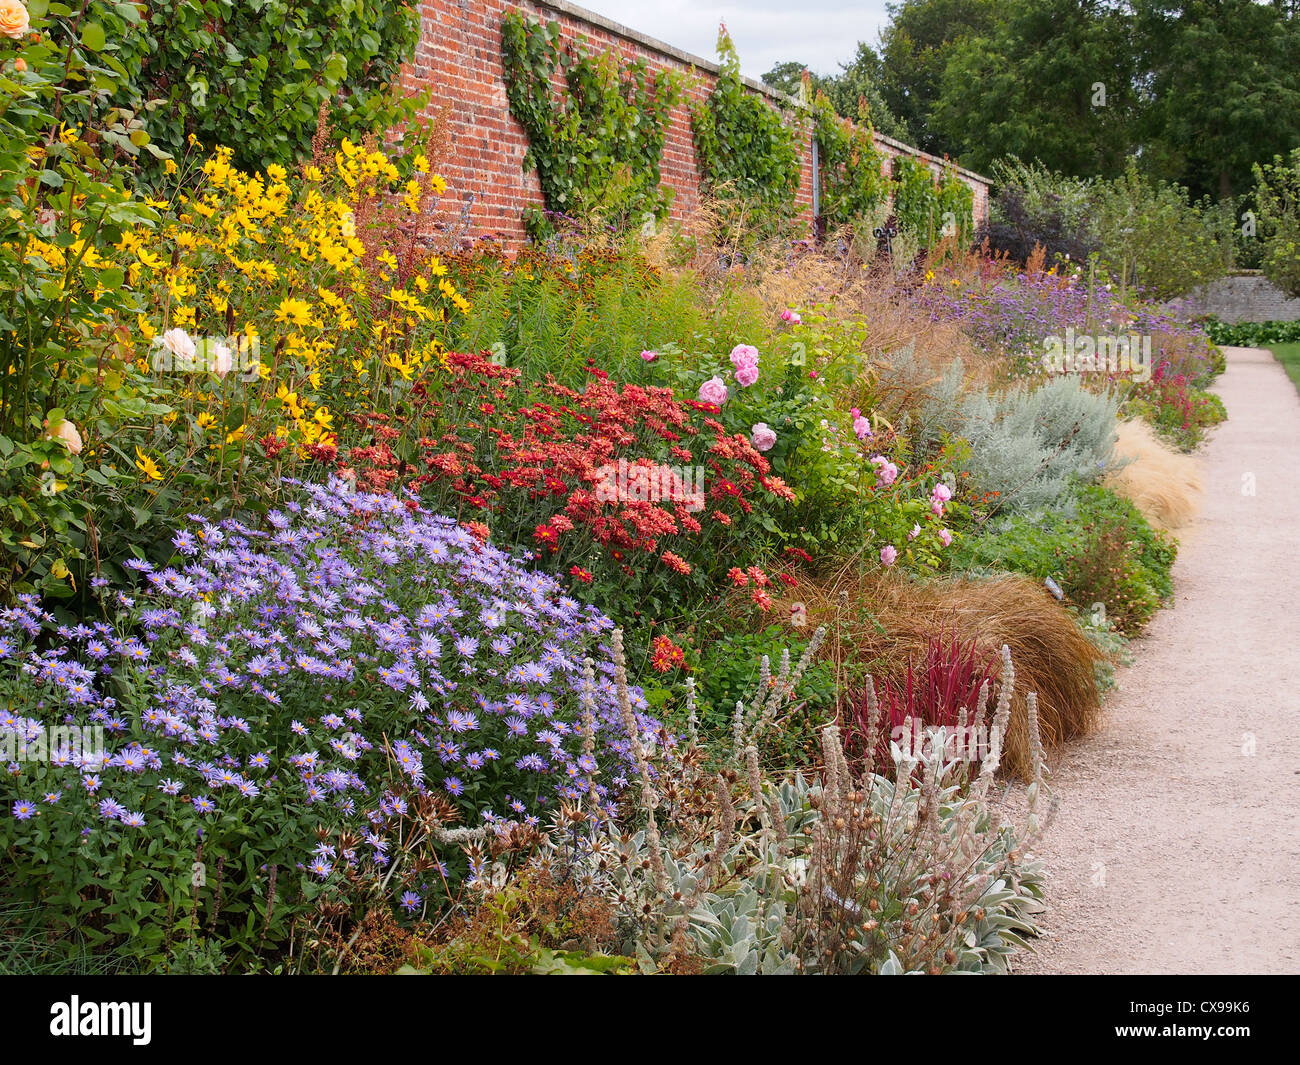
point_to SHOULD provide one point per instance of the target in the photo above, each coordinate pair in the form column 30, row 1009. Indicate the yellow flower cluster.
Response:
column 280, row 264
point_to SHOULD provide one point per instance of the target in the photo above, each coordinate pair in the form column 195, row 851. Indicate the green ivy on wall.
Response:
column 955, row 206
column 852, row 168
column 253, row 75
column 932, row 209
column 597, row 148
column 748, row 154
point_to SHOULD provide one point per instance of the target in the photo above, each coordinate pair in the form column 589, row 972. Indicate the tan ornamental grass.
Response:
column 882, row 621
column 1164, row 484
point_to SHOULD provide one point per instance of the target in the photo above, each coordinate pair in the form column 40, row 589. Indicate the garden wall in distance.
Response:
column 459, row 59
column 1246, row 298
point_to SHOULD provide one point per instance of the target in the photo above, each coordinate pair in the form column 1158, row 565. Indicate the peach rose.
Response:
column 13, row 19
column 67, row 432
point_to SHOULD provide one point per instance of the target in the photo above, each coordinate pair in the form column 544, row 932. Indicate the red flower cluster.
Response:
column 664, row 654
column 574, row 467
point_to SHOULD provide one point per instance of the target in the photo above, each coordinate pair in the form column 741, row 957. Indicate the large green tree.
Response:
column 1053, row 80
column 858, row 80
column 915, row 49
column 1222, row 89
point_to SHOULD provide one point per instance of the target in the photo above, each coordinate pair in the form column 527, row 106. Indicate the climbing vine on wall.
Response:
column 852, row 168
column 748, row 153
column 956, row 206
column 928, row 208
column 596, row 147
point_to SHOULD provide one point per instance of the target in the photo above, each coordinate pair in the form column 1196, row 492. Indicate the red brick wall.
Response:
column 459, row 59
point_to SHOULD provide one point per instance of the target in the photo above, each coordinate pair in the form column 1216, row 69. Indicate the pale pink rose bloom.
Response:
column 67, row 432
column 181, row 345
column 713, row 391
column 763, row 436
column 916, row 531
column 744, row 353
column 945, row 537
column 649, row 356
column 861, row 427
column 888, row 554
column 746, row 374
column 941, row 493
column 885, row 470
column 221, row 361
column 936, row 508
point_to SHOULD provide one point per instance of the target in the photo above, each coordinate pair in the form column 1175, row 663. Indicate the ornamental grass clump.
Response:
column 348, row 703
column 880, row 618
column 1164, row 484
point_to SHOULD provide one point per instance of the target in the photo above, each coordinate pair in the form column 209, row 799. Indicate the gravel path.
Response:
column 1174, row 850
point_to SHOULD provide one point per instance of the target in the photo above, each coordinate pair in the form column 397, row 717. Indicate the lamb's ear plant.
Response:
column 857, row 869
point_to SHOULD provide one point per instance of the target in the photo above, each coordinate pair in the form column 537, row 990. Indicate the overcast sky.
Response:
column 819, row 33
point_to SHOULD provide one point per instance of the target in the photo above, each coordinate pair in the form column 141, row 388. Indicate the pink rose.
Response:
column 763, row 436
column 713, row 391
column 181, row 345
column 649, row 356
column 916, row 531
column 746, row 374
column 221, row 360
column 791, row 316
column 888, row 555
column 941, row 493
column 885, row 470
column 861, row 427
column 936, row 508
column 742, row 354
column 945, row 537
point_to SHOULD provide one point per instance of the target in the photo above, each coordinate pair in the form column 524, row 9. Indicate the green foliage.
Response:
column 728, row 671
column 1221, row 85
column 916, row 201
column 747, row 152
column 1097, row 547
column 596, row 148
column 64, row 201
column 1035, row 206
column 855, row 86
column 1252, row 334
column 254, row 75
column 1152, row 236
column 852, row 167
column 916, row 46
column 955, row 207
column 1277, row 197
column 1026, row 83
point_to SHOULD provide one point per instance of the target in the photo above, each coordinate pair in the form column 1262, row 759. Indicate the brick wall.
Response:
column 459, row 59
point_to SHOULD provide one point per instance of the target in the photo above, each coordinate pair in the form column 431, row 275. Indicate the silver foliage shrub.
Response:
column 1029, row 443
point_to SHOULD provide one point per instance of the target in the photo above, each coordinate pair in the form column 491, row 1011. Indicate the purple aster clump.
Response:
column 1013, row 311
column 349, row 669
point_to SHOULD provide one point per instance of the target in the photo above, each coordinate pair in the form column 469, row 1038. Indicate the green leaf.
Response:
column 93, row 36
